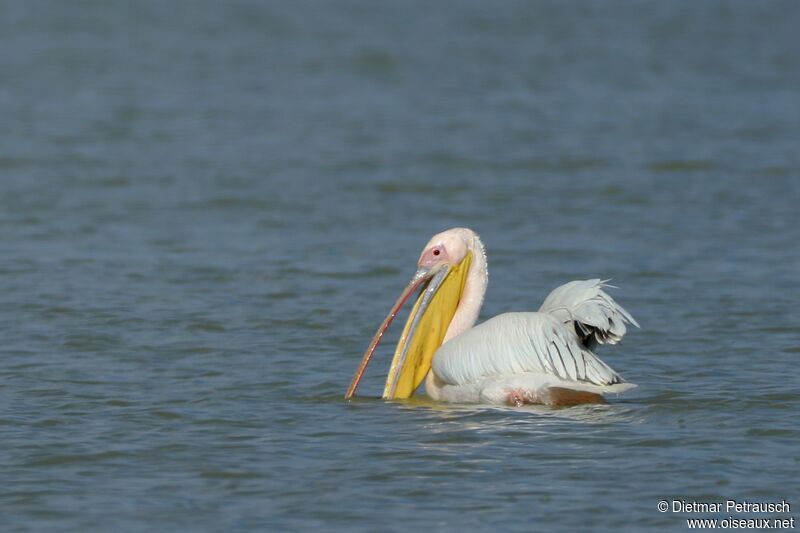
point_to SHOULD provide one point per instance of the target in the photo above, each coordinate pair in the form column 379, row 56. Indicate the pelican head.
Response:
column 446, row 249
column 441, row 274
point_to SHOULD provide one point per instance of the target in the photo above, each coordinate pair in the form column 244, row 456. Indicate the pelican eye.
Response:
column 436, row 252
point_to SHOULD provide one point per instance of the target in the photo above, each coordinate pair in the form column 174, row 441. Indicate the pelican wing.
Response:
column 517, row 343
column 594, row 315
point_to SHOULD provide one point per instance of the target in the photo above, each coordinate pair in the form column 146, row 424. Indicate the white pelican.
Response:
column 514, row 358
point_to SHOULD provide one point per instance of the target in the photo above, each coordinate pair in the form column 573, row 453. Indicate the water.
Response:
column 207, row 208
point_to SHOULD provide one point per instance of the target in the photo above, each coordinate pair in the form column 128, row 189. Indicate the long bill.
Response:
column 424, row 330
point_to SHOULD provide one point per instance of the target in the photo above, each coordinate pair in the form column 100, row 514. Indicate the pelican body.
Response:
column 543, row 357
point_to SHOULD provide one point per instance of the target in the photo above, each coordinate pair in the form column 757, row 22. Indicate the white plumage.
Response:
column 536, row 351
column 544, row 357
column 597, row 317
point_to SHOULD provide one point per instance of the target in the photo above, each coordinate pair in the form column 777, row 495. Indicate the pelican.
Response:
column 519, row 358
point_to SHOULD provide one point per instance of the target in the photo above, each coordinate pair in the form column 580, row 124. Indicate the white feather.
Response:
column 517, row 343
column 535, row 351
column 593, row 313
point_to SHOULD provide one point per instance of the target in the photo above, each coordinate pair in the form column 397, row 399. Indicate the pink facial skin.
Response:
column 433, row 256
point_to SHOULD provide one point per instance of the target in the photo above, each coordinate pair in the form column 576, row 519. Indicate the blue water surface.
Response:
column 206, row 209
